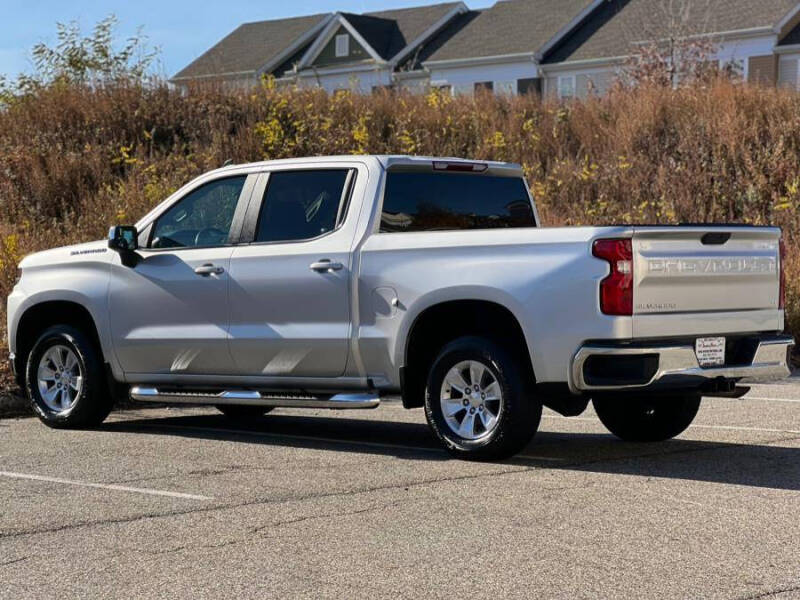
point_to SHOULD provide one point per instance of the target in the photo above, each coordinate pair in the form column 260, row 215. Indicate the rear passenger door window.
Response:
column 302, row 205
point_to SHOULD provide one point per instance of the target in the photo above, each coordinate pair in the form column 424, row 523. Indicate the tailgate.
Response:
column 693, row 280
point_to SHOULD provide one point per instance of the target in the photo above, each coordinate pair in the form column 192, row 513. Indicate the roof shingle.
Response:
column 250, row 46
column 509, row 27
column 613, row 29
column 390, row 31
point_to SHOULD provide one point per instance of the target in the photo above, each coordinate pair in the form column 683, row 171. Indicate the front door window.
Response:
column 202, row 218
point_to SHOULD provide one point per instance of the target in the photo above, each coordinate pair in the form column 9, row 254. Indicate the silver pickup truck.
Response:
column 331, row 282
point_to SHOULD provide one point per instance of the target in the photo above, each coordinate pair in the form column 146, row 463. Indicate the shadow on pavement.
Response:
column 718, row 462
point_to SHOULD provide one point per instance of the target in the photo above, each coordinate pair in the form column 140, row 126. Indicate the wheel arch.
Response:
column 441, row 321
column 39, row 316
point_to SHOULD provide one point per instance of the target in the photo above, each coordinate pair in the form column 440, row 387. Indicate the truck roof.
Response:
column 386, row 160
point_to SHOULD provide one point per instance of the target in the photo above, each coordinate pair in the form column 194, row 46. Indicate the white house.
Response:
column 362, row 52
column 745, row 33
column 500, row 48
column 336, row 51
column 563, row 48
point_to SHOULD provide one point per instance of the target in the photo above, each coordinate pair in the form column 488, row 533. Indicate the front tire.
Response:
column 64, row 380
column 648, row 420
column 479, row 400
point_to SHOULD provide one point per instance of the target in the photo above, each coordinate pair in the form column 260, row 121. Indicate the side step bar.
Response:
column 255, row 398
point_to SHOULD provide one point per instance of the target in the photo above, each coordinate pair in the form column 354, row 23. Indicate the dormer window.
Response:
column 342, row 46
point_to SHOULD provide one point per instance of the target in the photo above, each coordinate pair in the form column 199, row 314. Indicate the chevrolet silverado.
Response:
column 332, row 282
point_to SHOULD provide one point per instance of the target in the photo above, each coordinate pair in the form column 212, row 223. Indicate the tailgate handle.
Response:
column 715, row 238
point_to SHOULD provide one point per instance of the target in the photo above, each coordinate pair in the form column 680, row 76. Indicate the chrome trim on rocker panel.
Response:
column 255, row 398
column 678, row 364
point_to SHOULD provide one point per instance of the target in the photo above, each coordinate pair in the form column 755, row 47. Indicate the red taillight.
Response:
column 782, row 293
column 616, row 290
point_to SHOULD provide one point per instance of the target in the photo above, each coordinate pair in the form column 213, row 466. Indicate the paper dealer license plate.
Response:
column 710, row 351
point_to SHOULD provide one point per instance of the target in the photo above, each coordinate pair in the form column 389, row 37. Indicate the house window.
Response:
column 566, row 87
column 797, row 81
column 505, row 88
column 484, row 86
column 529, row 86
column 735, row 68
column 342, row 46
column 442, row 87
column 762, row 69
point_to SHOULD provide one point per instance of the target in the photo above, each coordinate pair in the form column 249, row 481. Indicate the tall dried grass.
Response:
column 73, row 159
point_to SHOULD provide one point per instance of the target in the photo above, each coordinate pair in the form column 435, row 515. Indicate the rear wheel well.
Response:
column 41, row 316
column 442, row 323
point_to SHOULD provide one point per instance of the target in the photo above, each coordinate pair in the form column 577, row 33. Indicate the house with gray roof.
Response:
column 362, row 52
column 500, row 48
column 336, row 51
column 563, row 48
column 253, row 50
column 746, row 34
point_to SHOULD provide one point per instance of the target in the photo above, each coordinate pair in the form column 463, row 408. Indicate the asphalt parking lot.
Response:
column 182, row 502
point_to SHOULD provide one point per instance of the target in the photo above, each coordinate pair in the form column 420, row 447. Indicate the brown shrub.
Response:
column 73, row 160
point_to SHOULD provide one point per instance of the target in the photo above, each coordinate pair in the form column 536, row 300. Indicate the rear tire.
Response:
column 243, row 413
column 479, row 400
column 648, row 420
column 64, row 380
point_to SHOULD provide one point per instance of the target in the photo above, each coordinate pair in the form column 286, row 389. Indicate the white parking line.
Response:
column 728, row 427
column 734, row 428
column 764, row 399
column 105, row 486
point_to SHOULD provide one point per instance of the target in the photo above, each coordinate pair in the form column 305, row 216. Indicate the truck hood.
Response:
column 95, row 251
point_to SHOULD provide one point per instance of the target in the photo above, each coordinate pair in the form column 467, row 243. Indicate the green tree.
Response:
column 91, row 59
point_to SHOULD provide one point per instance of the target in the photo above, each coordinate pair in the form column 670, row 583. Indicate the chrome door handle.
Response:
column 209, row 269
column 325, row 265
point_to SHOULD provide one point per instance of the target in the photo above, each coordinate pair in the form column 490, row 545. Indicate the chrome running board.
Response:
column 254, row 398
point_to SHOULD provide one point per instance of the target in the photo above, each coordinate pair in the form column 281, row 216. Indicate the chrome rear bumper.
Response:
column 674, row 365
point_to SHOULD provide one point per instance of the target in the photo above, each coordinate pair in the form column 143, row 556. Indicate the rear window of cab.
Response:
column 425, row 201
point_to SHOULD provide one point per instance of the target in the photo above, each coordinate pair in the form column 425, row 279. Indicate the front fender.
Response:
column 88, row 288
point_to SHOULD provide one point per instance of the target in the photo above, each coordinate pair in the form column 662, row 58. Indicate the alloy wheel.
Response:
column 471, row 400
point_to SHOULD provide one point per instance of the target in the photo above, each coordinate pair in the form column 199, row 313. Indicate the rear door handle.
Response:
column 209, row 269
column 325, row 265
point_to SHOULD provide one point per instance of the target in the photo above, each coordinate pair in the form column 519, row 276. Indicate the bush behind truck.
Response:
column 76, row 157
